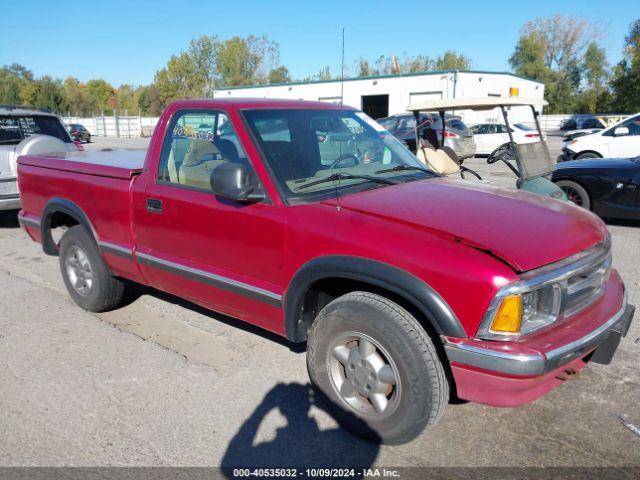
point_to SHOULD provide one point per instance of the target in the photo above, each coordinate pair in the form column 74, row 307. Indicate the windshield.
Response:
column 524, row 127
column 302, row 147
column 13, row 129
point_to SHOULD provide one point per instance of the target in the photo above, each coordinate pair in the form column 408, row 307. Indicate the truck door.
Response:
column 219, row 253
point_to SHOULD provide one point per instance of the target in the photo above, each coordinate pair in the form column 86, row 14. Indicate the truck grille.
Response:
column 585, row 286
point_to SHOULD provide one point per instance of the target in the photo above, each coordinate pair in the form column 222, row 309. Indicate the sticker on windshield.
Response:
column 369, row 121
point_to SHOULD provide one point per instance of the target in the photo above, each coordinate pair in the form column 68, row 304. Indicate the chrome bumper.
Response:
column 539, row 364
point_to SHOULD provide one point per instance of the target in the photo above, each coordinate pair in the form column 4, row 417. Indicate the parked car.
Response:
column 500, row 308
column 79, row 132
column 490, row 136
column 621, row 140
column 608, row 187
column 457, row 135
column 24, row 130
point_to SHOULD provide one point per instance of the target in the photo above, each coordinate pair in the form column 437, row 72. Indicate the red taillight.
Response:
column 75, row 132
column 448, row 134
column 78, row 145
column 532, row 135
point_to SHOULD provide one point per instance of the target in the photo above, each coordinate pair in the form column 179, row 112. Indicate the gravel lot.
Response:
column 162, row 382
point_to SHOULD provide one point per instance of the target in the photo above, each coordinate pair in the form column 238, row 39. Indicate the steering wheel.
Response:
column 342, row 158
column 503, row 152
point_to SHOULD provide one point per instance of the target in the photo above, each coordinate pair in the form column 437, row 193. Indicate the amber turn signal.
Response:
column 508, row 318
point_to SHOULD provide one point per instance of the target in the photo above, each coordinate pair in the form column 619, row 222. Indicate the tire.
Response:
column 585, row 155
column 89, row 139
column 576, row 193
column 86, row 276
column 411, row 378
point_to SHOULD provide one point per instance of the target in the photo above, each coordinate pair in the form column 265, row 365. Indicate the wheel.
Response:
column 89, row 139
column 582, row 156
column 86, row 276
column 376, row 368
column 576, row 193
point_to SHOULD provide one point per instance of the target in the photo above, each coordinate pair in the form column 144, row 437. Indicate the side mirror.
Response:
column 621, row 131
column 236, row 182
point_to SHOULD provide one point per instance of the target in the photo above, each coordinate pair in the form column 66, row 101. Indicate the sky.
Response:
column 128, row 41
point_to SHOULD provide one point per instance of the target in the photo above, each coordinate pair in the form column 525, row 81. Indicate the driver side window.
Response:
column 195, row 144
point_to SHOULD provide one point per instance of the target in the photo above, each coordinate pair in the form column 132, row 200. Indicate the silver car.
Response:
column 25, row 130
column 456, row 135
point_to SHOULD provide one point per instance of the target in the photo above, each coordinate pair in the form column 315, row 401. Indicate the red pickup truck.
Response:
column 312, row 221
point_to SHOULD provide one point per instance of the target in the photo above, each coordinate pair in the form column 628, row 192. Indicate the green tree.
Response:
column 45, row 92
column 102, row 94
column 13, row 79
column 78, row 100
column 595, row 97
column 626, row 76
column 149, row 101
column 237, row 63
column 551, row 50
column 452, row 61
column 279, row 75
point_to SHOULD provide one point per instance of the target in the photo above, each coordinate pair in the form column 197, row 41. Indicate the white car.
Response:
column 489, row 136
column 621, row 140
column 26, row 131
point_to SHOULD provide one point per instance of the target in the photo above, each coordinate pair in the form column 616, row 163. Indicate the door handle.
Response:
column 154, row 205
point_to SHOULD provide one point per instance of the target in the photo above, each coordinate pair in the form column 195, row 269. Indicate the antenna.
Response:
column 338, row 206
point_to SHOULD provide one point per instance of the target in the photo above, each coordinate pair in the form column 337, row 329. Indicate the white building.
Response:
column 381, row 96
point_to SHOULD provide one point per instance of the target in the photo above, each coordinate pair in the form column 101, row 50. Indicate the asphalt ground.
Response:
column 161, row 382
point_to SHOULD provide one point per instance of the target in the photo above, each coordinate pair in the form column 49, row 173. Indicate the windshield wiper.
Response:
column 401, row 167
column 346, row 176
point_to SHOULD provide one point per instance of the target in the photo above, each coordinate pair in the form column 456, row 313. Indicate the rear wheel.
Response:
column 575, row 193
column 376, row 368
column 86, row 276
column 584, row 155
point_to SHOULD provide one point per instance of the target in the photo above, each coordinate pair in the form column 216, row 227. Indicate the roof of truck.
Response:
column 243, row 103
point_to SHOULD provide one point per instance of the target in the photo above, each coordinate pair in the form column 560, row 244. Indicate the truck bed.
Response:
column 104, row 163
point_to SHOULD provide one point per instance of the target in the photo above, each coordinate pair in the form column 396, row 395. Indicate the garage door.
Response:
column 417, row 97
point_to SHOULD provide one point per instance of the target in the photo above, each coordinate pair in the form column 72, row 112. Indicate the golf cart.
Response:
column 530, row 162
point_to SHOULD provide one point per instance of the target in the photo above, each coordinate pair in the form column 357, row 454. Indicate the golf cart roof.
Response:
column 482, row 103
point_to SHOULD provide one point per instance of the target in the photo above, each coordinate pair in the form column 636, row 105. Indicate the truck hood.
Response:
column 600, row 163
column 524, row 230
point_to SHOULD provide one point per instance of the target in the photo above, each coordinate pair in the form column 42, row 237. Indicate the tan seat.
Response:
column 201, row 158
column 438, row 160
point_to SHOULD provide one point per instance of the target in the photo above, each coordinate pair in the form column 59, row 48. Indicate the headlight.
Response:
column 542, row 296
column 524, row 312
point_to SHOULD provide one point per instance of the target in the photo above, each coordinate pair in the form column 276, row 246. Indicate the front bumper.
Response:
column 514, row 374
column 566, row 155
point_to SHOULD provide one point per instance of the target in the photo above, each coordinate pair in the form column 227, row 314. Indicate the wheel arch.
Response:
column 313, row 285
column 60, row 212
column 582, row 152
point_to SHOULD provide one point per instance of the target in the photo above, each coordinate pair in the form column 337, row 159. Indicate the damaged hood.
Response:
column 523, row 229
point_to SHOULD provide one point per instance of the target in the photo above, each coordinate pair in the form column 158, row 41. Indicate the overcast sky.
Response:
column 128, row 41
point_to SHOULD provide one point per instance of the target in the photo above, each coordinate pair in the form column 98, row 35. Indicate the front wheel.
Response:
column 376, row 368
column 575, row 193
column 86, row 276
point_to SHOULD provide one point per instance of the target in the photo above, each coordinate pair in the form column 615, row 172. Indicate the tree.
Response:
column 102, row 94
column 149, row 101
column 237, row 62
column 13, row 79
column 452, row 61
column 551, row 50
column 78, row 100
column 595, row 96
column 279, row 75
column 626, row 76
column 45, row 92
